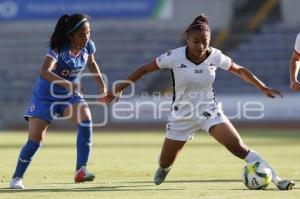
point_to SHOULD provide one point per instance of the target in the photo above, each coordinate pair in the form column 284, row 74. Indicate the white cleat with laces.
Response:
column 16, row 183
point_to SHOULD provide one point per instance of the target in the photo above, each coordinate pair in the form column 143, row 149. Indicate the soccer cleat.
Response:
column 83, row 175
column 160, row 175
column 285, row 184
column 16, row 183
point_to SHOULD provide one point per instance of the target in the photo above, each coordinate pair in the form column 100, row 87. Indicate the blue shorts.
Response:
column 46, row 109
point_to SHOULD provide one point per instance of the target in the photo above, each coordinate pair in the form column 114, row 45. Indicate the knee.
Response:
column 36, row 138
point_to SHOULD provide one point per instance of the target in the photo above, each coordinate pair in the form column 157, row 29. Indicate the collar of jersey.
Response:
column 207, row 54
column 72, row 55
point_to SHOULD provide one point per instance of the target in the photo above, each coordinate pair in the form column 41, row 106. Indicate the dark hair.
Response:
column 65, row 26
column 200, row 23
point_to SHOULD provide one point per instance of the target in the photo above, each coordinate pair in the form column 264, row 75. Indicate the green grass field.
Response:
column 124, row 164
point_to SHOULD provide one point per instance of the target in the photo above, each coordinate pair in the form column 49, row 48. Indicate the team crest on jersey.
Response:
column 32, row 107
column 65, row 73
column 211, row 66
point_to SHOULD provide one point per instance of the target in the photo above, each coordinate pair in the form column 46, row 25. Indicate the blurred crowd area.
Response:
column 258, row 34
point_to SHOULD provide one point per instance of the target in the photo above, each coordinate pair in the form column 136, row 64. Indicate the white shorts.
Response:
column 184, row 130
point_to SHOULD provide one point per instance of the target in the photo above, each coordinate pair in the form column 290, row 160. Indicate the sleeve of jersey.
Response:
column 164, row 61
column 297, row 44
column 91, row 48
column 53, row 54
column 225, row 62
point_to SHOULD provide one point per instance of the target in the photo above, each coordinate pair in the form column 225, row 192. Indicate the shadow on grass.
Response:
column 129, row 188
column 200, row 181
column 267, row 189
column 191, row 181
column 88, row 189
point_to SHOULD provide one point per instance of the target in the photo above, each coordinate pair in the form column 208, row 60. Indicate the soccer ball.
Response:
column 256, row 175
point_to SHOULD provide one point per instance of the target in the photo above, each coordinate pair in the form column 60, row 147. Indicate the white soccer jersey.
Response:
column 297, row 44
column 192, row 83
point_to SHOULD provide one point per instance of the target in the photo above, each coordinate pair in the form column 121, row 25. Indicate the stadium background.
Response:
column 258, row 34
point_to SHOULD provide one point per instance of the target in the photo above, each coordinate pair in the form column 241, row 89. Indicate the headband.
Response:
column 77, row 25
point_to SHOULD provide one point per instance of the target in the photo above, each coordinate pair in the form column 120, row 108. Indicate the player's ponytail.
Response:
column 202, row 19
column 59, row 37
column 200, row 23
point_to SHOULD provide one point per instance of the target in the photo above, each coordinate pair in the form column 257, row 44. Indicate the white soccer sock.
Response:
column 254, row 156
column 166, row 169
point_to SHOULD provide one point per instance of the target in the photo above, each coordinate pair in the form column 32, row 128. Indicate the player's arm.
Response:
column 132, row 77
column 47, row 74
column 294, row 69
column 249, row 77
column 137, row 74
column 94, row 69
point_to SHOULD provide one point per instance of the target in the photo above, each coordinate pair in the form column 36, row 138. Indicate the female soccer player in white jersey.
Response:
column 294, row 65
column 57, row 92
column 194, row 105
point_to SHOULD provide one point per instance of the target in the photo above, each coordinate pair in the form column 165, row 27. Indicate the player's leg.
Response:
column 177, row 134
column 226, row 134
column 169, row 152
column 81, row 116
column 37, row 130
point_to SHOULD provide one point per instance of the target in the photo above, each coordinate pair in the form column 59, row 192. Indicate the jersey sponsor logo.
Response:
column 75, row 72
column 65, row 73
column 200, row 71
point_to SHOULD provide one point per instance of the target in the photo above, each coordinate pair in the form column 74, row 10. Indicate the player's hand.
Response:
column 117, row 96
column 295, row 86
column 110, row 96
column 270, row 92
column 77, row 88
column 103, row 98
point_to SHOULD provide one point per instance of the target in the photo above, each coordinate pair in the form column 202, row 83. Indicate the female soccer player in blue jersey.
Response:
column 57, row 93
column 195, row 107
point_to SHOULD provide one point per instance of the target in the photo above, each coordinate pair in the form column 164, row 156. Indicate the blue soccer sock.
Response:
column 25, row 157
column 84, row 143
